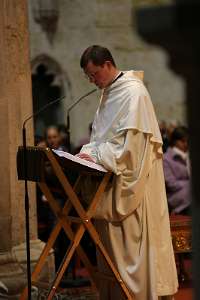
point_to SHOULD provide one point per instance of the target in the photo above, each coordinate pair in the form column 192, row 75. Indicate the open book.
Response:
column 79, row 160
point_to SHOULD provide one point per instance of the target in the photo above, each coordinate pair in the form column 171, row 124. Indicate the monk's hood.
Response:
column 128, row 78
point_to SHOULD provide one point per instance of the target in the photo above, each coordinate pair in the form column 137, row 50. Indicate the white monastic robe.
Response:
column 132, row 218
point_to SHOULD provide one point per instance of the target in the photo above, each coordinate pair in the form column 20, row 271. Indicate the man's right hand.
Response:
column 85, row 156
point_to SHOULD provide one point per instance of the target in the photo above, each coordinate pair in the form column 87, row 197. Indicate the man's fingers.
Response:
column 85, row 156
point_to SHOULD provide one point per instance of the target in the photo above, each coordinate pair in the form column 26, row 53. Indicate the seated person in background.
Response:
column 176, row 171
column 39, row 141
column 62, row 128
column 164, row 134
column 53, row 138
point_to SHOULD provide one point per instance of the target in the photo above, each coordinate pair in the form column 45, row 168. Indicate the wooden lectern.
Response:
column 60, row 163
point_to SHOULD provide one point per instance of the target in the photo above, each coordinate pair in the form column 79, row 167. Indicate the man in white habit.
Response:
column 132, row 218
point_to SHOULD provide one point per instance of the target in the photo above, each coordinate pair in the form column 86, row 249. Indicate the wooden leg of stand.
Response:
column 66, row 261
column 95, row 237
column 63, row 218
column 68, row 230
column 81, row 254
column 85, row 217
column 50, row 241
column 115, row 272
column 42, row 258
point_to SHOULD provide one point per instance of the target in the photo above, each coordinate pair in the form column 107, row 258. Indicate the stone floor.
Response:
column 71, row 294
column 184, row 293
column 86, row 293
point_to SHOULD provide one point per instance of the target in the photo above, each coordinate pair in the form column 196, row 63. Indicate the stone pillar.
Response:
column 15, row 106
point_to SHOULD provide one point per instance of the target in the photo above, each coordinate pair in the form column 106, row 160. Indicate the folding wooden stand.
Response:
column 37, row 157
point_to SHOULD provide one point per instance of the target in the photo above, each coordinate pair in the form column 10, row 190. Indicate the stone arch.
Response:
column 49, row 82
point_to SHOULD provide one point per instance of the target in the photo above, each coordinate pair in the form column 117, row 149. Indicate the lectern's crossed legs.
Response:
column 74, row 238
column 61, row 214
column 63, row 222
column 85, row 217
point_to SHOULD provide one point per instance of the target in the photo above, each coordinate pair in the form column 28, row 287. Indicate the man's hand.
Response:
column 85, row 156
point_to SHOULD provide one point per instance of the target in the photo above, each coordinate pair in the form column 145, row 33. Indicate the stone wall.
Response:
column 112, row 24
column 15, row 107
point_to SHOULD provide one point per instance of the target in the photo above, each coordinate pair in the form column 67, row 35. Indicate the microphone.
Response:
column 42, row 109
column 82, row 97
column 26, row 196
column 68, row 115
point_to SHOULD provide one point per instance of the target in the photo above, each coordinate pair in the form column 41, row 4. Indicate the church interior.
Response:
column 40, row 80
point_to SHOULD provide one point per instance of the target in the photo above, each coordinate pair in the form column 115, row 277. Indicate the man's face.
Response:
column 53, row 138
column 99, row 75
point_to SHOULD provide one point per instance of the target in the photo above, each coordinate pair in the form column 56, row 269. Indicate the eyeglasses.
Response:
column 93, row 75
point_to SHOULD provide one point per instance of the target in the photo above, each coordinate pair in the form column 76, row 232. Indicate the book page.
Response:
column 80, row 160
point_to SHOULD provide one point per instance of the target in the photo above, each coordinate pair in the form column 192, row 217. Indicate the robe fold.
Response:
column 132, row 218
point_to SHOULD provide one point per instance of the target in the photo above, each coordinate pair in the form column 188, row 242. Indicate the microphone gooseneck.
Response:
column 42, row 109
column 68, row 115
column 82, row 97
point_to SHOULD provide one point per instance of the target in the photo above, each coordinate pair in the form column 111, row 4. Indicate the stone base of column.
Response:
column 13, row 269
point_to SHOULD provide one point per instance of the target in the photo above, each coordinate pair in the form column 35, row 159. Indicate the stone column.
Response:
column 15, row 106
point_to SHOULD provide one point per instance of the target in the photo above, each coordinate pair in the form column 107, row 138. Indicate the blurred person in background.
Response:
column 172, row 124
column 164, row 134
column 62, row 128
column 53, row 138
column 40, row 141
column 177, row 172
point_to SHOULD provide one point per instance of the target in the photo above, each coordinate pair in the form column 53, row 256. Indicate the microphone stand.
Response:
column 68, row 132
column 26, row 197
column 68, row 116
column 26, row 202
